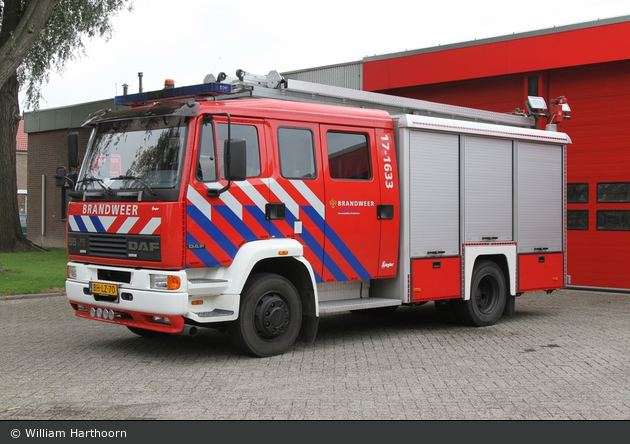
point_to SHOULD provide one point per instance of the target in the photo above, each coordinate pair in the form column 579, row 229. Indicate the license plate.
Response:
column 103, row 288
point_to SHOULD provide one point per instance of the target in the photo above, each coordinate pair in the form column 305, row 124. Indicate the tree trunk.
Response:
column 11, row 237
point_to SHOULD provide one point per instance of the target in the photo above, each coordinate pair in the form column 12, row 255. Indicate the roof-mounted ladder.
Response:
column 274, row 86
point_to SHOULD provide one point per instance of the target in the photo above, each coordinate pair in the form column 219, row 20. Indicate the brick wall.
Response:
column 47, row 151
column 21, row 166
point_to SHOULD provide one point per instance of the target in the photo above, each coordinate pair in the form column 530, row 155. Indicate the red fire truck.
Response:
column 258, row 203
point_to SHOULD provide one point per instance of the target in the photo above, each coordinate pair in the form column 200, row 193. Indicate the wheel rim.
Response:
column 487, row 294
column 272, row 316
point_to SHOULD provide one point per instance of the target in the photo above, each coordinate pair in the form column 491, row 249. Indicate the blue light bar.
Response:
column 209, row 89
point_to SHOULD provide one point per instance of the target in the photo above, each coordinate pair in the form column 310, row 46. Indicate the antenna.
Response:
column 215, row 65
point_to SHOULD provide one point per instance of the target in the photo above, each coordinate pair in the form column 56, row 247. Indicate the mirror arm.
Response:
column 226, row 156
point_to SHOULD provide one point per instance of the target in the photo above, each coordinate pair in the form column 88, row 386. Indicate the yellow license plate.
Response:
column 103, row 288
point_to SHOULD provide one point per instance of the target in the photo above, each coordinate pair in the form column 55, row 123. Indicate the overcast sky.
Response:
column 187, row 39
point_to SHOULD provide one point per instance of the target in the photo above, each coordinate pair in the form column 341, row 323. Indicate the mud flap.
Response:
column 310, row 324
column 510, row 306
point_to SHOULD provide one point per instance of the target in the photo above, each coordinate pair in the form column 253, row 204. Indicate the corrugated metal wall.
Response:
column 64, row 117
column 347, row 75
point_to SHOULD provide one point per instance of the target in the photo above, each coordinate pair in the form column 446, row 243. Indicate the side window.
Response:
column 348, row 156
column 577, row 219
column 613, row 192
column 613, row 220
column 250, row 134
column 206, row 163
column 297, row 153
column 577, row 193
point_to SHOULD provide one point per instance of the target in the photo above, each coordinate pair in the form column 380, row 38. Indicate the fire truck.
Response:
column 256, row 204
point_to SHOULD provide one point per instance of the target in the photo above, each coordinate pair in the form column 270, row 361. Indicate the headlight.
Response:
column 71, row 272
column 165, row 282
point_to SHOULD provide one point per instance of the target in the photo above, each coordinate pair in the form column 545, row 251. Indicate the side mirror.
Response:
column 236, row 159
column 60, row 177
column 73, row 176
column 73, row 150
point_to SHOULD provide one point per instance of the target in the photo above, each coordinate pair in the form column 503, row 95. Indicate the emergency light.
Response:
column 210, row 89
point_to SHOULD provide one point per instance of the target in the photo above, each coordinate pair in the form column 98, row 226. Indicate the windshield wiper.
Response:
column 108, row 191
column 138, row 179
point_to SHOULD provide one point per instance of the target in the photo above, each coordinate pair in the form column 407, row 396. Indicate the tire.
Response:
column 488, row 294
column 270, row 316
column 147, row 333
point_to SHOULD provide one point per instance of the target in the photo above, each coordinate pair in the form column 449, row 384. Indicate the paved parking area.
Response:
column 563, row 356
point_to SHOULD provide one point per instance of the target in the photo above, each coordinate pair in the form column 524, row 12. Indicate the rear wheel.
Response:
column 488, row 294
column 270, row 317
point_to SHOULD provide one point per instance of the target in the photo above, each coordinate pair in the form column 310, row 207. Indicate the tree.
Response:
column 37, row 36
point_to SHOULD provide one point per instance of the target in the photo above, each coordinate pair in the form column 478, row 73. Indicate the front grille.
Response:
column 108, row 245
column 117, row 246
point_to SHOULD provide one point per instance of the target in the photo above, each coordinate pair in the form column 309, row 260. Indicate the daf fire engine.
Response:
column 258, row 203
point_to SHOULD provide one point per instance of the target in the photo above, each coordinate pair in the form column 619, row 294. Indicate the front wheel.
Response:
column 270, row 317
column 488, row 294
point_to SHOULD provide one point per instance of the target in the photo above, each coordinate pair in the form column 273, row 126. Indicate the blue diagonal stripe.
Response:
column 203, row 254
column 96, row 221
column 206, row 225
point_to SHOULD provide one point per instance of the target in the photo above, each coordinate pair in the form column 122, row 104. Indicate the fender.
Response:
column 471, row 253
column 253, row 252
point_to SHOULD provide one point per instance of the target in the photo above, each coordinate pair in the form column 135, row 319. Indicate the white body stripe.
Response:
column 106, row 221
column 73, row 224
column 153, row 225
column 292, row 206
column 88, row 224
column 230, row 201
column 127, row 225
column 311, row 197
column 198, row 200
column 254, row 195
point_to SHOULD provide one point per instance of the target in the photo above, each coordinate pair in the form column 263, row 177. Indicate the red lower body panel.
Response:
column 129, row 318
column 435, row 278
column 540, row 272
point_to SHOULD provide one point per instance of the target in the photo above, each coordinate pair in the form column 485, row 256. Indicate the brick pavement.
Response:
column 563, row 356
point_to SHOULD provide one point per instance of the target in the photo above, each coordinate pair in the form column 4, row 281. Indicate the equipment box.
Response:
column 435, row 278
column 540, row 272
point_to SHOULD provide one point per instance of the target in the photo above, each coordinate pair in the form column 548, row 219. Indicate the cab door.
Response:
column 352, row 229
column 218, row 224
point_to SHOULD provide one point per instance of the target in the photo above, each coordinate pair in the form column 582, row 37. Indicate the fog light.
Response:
column 161, row 320
column 108, row 314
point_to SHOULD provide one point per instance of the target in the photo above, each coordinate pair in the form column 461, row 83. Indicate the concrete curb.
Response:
column 29, row 296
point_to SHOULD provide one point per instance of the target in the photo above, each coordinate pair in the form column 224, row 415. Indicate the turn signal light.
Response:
column 173, row 283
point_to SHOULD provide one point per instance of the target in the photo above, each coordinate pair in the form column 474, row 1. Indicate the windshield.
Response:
column 137, row 154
